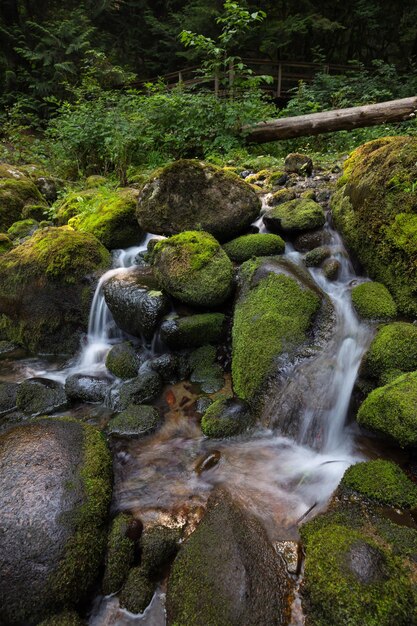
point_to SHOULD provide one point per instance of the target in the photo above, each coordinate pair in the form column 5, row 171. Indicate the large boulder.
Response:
column 190, row 195
column 55, row 477
column 193, row 268
column 15, row 194
column 40, row 396
column 227, row 572
column 375, row 210
column 392, row 352
column 136, row 301
column 46, row 286
column 295, row 217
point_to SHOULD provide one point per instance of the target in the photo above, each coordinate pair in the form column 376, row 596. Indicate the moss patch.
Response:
column 120, row 554
column 392, row 410
column 122, row 361
column 392, row 352
column 193, row 331
column 248, row 246
column 373, row 301
column 381, row 481
column 6, row 243
column 295, row 216
column 225, row 418
column 205, row 370
column 22, row 229
column 14, row 195
column 135, row 421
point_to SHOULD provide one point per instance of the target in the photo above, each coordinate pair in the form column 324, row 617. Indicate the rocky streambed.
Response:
column 214, row 423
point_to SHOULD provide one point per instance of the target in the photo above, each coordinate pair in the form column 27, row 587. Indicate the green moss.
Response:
column 193, row 331
column 120, row 554
column 376, row 215
column 14, row 195
column 6, row 243
column 36, row 212
column 109, row 215
column 22, row 229
column 392, row 352
column 193, row 267
column 219, row 423
column 315, row 257
column 373, row 301
column 159, row 545
column 122, row 361
column 295, row 216
column 339, row 589
column 135, row 421
column 281, row 196
column 392, row 410
column 270, row 178
column 68, row 618
column 382, row 481
column 205, row 370
column 271, row 319
column 248, row 246
column 137, row 592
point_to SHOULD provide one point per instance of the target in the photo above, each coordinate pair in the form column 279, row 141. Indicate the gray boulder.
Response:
column 86, row 388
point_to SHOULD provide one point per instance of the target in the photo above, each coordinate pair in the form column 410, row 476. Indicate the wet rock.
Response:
column 137, row 592
column 315, row 257
column 294, row 217
column 86, row 388
column 47, row 523
column 299, row 164
column 373, row 301
column 205, row 370
column 8, row 395
column 193, row 268
column 48, row 187
column 331, row 269
column 169, row 366
column 6, row 347
column 308, row 241
column 203, row 404
column 136, row 301
column 159, row 545
column 193, row 331
column 145, row 388
column 207, row 462
column 40, row 396
column 135, row 421
column 226, row 418
column 15, row 193
column 123, row 361
column 189, row 195
column 289, row 551
column 227, row 572
column 120, row 554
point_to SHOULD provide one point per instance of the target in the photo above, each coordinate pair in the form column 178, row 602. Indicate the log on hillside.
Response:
column 329, row 121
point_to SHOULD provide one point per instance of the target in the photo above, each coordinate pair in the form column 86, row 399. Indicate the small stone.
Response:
column 331, row 269
column 207, row 462
column 299, row 164
column 290, row 552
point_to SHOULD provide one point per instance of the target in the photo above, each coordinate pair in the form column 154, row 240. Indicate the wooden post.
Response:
column 279, row 85
column 180, row 77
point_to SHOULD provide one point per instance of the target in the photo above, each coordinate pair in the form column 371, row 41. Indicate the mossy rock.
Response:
column 14, row 195
column 40, row 396
column 68, row 618
column 392, row 410
column 8, row 395
column 392, row 352
column 272, row 316
column 135, row 421
column 6, row 243
column 190, row 195
column 297, row 163
column 226, row 418
column 281, row 196
column 331, row 269
column 120, row 553
column 374, row 209
column 267, row 179
column 381, row 481
column 38, row 212
column 193, row 331
column 46, row 286
column 22, row 229
column 159, row 545
column 66, row 529
column 123, row 361
column 193, row 268
column 315, row 257
column 248, row 246
column 108, row 215
column 143, row 389
column 205, row 370
column 11, row 171
column 137, row 592
column 373, row 301
column 295, row 217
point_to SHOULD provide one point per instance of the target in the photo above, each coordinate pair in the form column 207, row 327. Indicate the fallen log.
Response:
column 329, row 121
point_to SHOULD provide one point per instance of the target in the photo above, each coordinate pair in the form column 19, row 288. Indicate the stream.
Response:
column 282, row 477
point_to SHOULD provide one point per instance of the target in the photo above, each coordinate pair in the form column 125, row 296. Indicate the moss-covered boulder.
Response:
column 194, row 268
column 50, row 561
column 138, row 590
column 315, row 257
column 281, row 196
column 159, row 545
column 120, row 553
column 381, row 481
column 226, row 418
column 46, row 286
column 135, row 421
column 109, row 215
column 373, row 301
column 273, row 315
column 40, row 396
column 6, row 243
column 15, row 193
column 193, row 331
column 8, row 395
column 248, row 246
column 189, row 195
column 392, row 352
column 123, row 361
column 140, row 390
column 22, row 229
column 205, row 370
column 38, row 212
column 392, row 410
column 294, row 217
column 227, row 572
column 136, row 301
column 375, row 210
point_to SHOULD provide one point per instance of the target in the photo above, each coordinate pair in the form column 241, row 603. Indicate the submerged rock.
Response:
column 227, row 572
column 46, row 286
column 294, row 217
column 189, row 195
column 40, row 396
column 136, row 301
column 52, row 529
column 226, row 418
column 135, row 421
column 86, row 388
column 193, row 268
column 205, row 370
column 193, row 331
column 373, row 301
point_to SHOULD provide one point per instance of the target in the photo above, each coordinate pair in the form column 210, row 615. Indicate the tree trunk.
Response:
column 329, row 121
